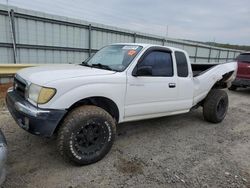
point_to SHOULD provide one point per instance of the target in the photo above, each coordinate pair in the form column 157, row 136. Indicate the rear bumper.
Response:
column 240, row 82
column 31, row 118
column 3, row 157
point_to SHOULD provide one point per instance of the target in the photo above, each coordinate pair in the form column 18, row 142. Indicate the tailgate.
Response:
column 243, row 69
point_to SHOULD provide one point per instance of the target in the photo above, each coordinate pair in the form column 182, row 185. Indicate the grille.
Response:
column 19, row 87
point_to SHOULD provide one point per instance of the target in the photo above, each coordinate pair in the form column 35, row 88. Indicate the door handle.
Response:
column 171, row 85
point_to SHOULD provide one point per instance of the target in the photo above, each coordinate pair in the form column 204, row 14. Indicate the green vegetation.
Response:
column 221, row 45
column 231, row 46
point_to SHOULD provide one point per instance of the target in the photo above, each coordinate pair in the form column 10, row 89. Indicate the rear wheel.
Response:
column 215, row 106
column 86, row 135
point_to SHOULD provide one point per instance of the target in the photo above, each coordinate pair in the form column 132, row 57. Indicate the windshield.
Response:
column 114, row 57
column 244, row 57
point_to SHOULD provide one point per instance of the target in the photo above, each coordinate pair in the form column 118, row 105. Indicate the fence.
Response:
column 31, row 37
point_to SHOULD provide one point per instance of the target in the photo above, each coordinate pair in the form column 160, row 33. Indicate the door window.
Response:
column 161, row 63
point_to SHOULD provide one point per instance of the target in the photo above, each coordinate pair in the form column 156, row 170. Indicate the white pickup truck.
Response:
column 82, row 104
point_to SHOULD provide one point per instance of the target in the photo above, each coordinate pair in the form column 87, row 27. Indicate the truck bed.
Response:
column 199, row 69
column 206, row 75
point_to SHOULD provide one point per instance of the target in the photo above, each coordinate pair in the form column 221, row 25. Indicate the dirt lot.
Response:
column 177, row 151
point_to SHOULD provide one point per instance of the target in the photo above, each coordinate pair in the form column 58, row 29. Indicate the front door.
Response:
column 154, row 90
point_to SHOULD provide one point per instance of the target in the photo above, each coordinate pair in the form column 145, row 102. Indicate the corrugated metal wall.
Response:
column 43, row 38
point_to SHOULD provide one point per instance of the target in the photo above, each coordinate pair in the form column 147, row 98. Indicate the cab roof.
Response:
column 144, row 45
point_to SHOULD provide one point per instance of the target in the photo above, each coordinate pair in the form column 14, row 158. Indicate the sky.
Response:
column 225, row 21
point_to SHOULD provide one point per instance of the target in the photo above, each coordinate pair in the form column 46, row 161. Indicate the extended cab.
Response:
column 120, row 83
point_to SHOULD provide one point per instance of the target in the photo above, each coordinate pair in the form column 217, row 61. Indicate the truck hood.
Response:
column 44, row 74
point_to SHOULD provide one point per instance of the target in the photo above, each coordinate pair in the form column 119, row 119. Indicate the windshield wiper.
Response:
column 102, row 66
column 84, row 63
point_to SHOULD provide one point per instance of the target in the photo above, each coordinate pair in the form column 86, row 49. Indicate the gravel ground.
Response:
column 176, row 151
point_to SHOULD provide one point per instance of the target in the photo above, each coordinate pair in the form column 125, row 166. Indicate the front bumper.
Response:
column 240, row 82
column 31, row 118
column 3, row 157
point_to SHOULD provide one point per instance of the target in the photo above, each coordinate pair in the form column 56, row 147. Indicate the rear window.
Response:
column 243, row 57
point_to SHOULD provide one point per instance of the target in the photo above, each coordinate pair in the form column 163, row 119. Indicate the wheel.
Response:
column 86, row 135
column 215, row 106
column 232, row 87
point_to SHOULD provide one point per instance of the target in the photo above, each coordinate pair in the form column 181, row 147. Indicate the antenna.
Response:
column 167, row 31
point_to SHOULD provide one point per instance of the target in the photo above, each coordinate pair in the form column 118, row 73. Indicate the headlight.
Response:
column 40, row 95
column 33, row 92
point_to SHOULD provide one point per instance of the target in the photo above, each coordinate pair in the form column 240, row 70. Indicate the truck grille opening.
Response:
column 19, row 87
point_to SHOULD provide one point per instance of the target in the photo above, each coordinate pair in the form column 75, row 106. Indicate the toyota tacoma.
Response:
column 82, row 103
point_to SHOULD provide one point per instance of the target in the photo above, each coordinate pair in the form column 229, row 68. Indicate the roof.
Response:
column 144, row 45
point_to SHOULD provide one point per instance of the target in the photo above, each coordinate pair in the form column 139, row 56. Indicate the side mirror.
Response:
column 143, row 71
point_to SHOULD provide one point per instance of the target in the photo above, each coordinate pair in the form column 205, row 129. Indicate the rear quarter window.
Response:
column 182, row 65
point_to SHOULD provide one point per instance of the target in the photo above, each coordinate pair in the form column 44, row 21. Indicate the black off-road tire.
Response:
column 215, row 106
column 86, row 135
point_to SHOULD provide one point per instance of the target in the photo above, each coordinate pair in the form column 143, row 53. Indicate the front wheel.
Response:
column 215, row 106
column 86, row 135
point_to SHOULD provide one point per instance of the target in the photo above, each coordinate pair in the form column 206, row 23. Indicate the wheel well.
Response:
column 222, row 83
column 102, row 102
